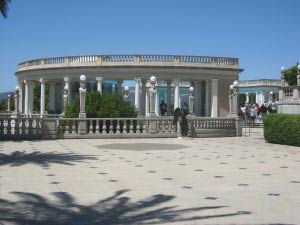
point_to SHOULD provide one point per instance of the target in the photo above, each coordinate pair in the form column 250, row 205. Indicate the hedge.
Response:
column 282, row 129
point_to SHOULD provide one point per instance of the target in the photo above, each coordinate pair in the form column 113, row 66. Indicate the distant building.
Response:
column 258, row 91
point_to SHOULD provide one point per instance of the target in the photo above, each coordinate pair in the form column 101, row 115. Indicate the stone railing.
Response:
column 214, row 127
column 19, row 128
column 262, row 82
column 134, row 60
column 14, row 127
column 116, row 127
column 289, row 100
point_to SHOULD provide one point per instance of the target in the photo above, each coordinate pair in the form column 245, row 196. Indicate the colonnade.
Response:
column 205, row 94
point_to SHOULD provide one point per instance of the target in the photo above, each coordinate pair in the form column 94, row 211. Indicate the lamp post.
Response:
column 152, row 95
column 271, row 97
column 82, row 93
column 233, row 98
column 126, row 93
column 66, row 93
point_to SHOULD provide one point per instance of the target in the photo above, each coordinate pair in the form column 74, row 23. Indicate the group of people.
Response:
column 255, row 113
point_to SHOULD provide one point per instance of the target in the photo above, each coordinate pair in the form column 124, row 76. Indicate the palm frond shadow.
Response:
column 19, row 158
column 33, row 209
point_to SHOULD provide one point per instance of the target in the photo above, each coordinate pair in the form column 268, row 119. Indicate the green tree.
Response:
column 290, row 75
column 101, row 106
column 4, row 7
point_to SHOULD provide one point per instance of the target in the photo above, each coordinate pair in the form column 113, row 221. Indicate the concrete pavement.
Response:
column 240, row 180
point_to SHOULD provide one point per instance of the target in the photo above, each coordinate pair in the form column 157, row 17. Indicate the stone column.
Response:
column 42, row 101
column 191, row 101
column 176, row 94
column 30, row 98
column 298, row 80
column 8, row 103
column 26, row 98
column 52, row 96
column 137, row 94
column 270, row 97
column 17, row 100
column 21, row 97
column 143, row 104
column 157, row 112
column 147, row 108
column 214, row 97
column 169, row 82
column 207, row 91
column 99, row 84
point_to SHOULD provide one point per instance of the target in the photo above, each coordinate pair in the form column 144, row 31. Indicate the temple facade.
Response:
column 210, row 78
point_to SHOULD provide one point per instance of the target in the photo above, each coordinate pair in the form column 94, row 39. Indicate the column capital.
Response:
column 66, row 79
column 99, row 78
column 137, row 79
column 41, row 80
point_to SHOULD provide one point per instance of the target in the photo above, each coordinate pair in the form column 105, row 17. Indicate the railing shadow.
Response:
column 19, row 158
column 35, row 209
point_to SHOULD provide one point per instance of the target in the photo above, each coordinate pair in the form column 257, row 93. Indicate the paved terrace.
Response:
column 149, row 181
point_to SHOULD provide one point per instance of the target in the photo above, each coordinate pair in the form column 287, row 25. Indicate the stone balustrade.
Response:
column 18, row 127
column 145, row 60
column 14, row 127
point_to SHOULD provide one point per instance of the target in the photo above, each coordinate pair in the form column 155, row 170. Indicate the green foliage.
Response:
column 101, row 106
column 242, row 99
column 282, row 129
column 291, row 75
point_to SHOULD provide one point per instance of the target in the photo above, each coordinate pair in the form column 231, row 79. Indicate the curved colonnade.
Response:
column 209, row 76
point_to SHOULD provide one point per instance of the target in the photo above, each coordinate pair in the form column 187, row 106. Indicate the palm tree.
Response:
column 4, row 7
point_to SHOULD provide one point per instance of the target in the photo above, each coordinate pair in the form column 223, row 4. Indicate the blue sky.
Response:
column 263, row 34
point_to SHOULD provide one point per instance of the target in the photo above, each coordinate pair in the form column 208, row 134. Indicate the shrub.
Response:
column 282, row 129
column 291, row 75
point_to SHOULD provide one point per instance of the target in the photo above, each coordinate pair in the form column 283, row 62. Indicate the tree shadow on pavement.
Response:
column 33, row 209
column 18, row 158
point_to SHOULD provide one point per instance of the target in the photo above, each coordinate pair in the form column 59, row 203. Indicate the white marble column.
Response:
column 137, row 94
column 26, row 100
column 207, row 102
column 176, row 94
column 99, row 84
column 214, row 97
column 21, row 97
column 143, row 103
column 147, row 109
column 42, row 101
column 30, row 97
column 156, row 104
column 169, row 82
column 52, row 96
